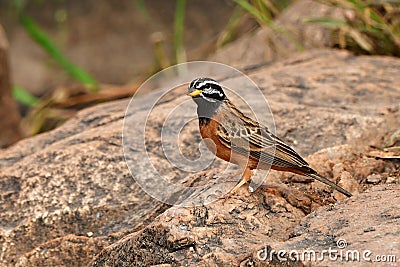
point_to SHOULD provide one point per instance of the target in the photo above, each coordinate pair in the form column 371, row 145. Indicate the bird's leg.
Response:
column 245, row 178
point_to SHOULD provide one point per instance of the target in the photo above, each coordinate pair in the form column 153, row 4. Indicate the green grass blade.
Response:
column 46, row 43
column 179, row 25
column 18, row 5
column 24, row 97
column 362, row 40
column 326, row 22
column 141, row 6
column 230, row 30
column 360, row 7
column 265, row 19
column 254, row 12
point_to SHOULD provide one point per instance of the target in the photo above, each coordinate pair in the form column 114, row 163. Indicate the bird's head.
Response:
column 207, row 89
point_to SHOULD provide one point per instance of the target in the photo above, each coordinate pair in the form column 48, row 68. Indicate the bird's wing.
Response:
column 245, row 136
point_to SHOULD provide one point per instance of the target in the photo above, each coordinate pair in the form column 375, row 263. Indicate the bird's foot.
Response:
column 246, row 176
column 242, row 182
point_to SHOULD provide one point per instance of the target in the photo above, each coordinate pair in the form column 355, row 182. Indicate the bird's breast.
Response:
column 210, row 137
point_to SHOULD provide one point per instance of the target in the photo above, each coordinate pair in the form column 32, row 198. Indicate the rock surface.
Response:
column 359, row 237
column 67, row 197
column 222, row 235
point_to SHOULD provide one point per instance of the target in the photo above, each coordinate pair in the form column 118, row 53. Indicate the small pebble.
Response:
column 183, row 227
column 369, row 229
column 374, row 178
column 391, row 180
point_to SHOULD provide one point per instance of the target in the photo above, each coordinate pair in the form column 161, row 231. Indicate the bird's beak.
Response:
column 193, row 92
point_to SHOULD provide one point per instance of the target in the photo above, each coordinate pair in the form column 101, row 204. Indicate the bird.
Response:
column 234, row 137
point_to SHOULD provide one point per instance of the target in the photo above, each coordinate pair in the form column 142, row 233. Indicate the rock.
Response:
column 364, row 226
column 216, row 232
column 57, row 187
column 57, row 252
column 369, row 229
column 393, row 180
column 201, row 242
column 374, row 178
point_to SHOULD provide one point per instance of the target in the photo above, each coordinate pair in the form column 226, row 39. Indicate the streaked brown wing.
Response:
column 255, row 141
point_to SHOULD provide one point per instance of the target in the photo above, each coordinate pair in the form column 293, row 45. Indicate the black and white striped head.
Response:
column 206, row 88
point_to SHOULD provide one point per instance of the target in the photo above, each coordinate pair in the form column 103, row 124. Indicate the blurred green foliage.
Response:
column 23, row 96
column 42, row 39
column 45, row 42
column 369, row 27
column 141, row 6
column 264, row 11
column 228, row 35
column 178, row 35
column 179, row 26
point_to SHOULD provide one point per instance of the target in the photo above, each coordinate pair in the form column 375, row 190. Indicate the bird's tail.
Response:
column 324, row 180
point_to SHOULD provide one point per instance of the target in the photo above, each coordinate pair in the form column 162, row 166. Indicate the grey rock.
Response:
column 68, row 198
